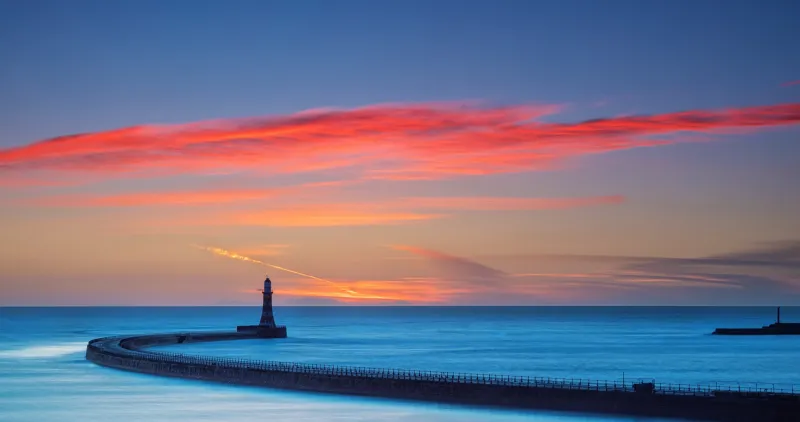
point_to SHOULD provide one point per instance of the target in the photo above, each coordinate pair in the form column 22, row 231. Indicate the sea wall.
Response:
column 130, row 353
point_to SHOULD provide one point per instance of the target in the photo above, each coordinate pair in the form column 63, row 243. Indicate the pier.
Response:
column 644, row 399
column 776, row 328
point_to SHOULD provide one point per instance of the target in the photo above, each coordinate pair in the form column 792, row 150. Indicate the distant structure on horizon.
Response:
column 776, row 328
column 266, row 326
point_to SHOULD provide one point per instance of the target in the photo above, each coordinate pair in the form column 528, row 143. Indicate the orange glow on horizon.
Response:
column 342, row 292
column 417, row 290
column 412, row 289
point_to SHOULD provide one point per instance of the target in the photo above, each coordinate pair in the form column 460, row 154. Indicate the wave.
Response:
column 49, row 351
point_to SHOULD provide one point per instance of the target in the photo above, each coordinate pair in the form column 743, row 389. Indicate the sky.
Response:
column 399, row 153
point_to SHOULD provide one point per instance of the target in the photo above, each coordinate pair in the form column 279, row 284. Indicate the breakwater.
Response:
column 710, row 403
column 776, row 328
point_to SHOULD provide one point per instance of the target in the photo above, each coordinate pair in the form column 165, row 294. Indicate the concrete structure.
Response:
column 266, row 327
column 776, row 328
column 638, row 399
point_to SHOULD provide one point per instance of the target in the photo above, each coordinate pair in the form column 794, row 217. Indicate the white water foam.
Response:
column 38, row 352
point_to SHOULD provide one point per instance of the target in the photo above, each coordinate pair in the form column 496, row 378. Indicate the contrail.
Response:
column 234, row 255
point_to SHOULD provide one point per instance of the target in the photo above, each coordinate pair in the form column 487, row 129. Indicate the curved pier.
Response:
column 698, row 403
column 131, row 353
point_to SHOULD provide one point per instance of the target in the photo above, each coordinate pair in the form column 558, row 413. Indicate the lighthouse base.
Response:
column 263, row 331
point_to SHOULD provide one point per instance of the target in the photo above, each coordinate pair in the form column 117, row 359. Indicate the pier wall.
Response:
column 128, row 353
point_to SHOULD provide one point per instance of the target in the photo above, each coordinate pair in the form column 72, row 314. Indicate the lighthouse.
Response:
column 266, row 327
column 267, row 319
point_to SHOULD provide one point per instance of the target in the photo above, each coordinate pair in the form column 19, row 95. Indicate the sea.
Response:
column 44, row 376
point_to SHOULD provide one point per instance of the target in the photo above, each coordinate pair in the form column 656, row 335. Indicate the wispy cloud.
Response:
column 443, row 278
column 181, row 197
column 400, row 210
column 158, row 198
column 266, row 250
column 749, row 277
column 791, row 83
column 308, row 206
column 455, row 266
column 343, row 214
column 507, row 203
column 405, row 141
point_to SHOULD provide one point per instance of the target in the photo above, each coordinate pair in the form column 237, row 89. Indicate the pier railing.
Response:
column 754, row 389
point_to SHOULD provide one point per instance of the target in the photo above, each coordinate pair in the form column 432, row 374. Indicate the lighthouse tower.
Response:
column 266, row 327
column 267, row 319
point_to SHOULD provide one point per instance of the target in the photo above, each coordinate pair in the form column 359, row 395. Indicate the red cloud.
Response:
column 790, row 83
column 390, row 141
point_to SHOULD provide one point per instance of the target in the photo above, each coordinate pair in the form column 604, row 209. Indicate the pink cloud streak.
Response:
column 396, row 141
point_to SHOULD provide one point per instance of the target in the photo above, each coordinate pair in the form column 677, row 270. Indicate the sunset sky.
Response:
column 400, row 152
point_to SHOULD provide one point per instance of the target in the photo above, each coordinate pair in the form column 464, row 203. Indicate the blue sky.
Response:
column 91, row 65
column 95, row 66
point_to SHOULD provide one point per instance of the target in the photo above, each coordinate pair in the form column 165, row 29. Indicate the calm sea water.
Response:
column 44, row 377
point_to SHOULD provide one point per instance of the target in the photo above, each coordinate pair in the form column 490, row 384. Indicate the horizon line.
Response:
column 404, row 306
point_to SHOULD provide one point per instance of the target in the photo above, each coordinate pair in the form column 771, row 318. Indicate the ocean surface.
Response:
column 44, row 377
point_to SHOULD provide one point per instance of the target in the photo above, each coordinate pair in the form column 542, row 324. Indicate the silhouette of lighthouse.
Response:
column 266, row 327
column 267, row 319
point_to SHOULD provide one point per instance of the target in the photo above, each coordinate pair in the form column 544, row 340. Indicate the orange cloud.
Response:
column 159, row 198
column 405, row 141
column 402, row 210
column 326, row 215
column 191, row 197
column 310, row 213
column 265, row 250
